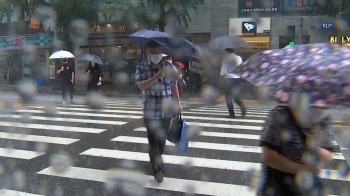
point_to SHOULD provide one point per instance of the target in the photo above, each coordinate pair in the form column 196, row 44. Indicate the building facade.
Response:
column 24, row 51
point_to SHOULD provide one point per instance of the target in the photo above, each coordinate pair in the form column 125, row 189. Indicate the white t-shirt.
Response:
column 229, row 63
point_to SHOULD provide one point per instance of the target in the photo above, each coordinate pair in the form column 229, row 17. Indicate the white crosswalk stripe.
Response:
column 66, row 127
column 226, row 147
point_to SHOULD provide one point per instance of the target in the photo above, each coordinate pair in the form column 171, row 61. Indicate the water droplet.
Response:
column 60, row 162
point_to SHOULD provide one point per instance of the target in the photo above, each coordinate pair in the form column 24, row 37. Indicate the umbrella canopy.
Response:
column 174, row 46
column 180, row 54
column 143, row 36
column 61, row 54
column 304, row 69
column 224, row 42
column 92, row 58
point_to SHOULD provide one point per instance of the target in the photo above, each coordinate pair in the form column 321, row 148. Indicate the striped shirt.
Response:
column 157, row 95
column 282, row 134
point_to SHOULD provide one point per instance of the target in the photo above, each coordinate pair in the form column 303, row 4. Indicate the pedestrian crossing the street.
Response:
column 216, row 164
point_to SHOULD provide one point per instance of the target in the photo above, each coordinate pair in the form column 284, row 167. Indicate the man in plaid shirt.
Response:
column 158, row 82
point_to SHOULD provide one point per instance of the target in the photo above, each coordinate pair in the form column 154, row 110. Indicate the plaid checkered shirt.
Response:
column 158, row 93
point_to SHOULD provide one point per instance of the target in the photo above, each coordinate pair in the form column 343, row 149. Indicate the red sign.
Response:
column 15, row 42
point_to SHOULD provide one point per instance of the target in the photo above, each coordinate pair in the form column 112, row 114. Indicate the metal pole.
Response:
column 301, row 30
column 339, row 16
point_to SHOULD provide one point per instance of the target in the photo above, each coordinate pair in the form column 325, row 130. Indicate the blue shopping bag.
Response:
column 182, row 145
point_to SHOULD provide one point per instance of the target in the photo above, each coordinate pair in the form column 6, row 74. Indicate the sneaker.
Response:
column 159, row 175
column 64, row 103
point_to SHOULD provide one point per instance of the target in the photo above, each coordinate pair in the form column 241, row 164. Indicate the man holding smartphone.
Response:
column 66, row 72
column 157, row 80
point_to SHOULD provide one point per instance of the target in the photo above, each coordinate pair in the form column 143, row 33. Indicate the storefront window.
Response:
column 119, row 58
column 27, row 66
column 10, row 68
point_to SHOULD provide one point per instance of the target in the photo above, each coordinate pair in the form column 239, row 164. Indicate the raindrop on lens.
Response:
column 209, row 94
column 190, row 189
column 286, row 135
column 304, row 180
column 343, row 170
column 187, row 164
column 126, row 182
column 26, row 90
column 60, row 162
column 192, row 132
column 2, row 169
column 25, row 118
column 122, row 78
column 252, row 177
column 41, row 147
column 95, row 100
column 19, row 179
column 59, row 191
column 79, row 30
column 50, row 110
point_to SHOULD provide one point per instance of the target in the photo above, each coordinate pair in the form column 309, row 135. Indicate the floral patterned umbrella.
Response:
column 320, row 70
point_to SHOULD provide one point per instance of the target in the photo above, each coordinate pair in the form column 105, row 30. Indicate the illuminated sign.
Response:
column 324, row 26
column 98, row 29
column 257, row 45
column 34, row 24
column 344, row 39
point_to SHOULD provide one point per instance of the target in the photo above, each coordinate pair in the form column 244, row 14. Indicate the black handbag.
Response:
column 175, row 128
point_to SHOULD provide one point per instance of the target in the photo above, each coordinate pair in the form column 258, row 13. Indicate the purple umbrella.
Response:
column 320, row 70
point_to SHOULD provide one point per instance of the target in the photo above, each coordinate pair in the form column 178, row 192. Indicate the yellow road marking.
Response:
column 21, row 105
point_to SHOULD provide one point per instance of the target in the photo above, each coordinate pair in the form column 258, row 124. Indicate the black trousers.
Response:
column 232, row 88
column 92, row 87
column 157, row 132
column 67, row 88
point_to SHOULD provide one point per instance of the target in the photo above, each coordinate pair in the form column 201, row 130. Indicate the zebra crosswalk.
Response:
column 216, row 164
column 25, row 132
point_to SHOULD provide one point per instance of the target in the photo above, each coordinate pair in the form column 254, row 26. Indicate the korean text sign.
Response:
column 261, row 7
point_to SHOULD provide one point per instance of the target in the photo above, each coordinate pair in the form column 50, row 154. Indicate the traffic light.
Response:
column 291, row 43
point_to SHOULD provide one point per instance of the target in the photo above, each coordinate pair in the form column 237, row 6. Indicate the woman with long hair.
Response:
column 95, row 77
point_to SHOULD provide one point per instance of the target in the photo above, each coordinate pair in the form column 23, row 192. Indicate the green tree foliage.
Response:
column 128, row 13
column 150, row 13
column 72, row 9
column 331, row 8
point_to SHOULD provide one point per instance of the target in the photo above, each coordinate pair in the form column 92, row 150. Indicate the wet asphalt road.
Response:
column 37, row 148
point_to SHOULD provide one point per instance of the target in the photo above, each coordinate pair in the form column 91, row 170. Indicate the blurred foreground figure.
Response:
column 66, row 73
column 296, row 143
column 232, row 82
column 158, row 88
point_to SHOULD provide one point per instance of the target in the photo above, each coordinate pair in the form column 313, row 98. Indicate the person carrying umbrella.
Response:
column 157, row 79
column 66, row 72
column 296, row 140
column 95, row 77
column 232, row 82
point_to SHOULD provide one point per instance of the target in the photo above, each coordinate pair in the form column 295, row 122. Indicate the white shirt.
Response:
column 229, row 63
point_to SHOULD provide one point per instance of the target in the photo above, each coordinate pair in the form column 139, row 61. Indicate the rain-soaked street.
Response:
column 76, row 150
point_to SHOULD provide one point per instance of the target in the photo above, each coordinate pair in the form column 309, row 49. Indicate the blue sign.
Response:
column 324, row 26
